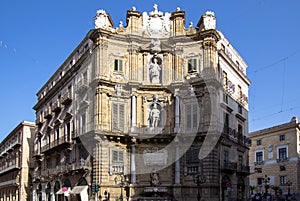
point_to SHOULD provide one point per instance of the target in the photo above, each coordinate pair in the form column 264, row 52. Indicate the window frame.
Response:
column 284, row 154
column 258, row 142
column 190, row 115
column 281, row 137
column 192, row 161
column 116, row 115
column 262, row 155
column 282, row 179
column 117, row 67
column 194, row 63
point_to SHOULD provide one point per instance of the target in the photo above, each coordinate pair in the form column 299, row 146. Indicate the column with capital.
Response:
column 177, row 115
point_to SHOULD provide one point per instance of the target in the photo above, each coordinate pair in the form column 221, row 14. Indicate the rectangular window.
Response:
column 240, row 161
column 240, row 93
column 191, row 116
column 225, row 98
column 282, row 153
column 282, row 168
column 118, row 116
column 226, row 155
column 192, row 65
column 282, row 179
column 117, row 162
column 259, row 156
column 226, row 122
column 57, row 133
column 82, row 123
column 258, row 142
column 117, row 156
column 240, row 109
column 67, row 131
column 225, row 79
column 281, row 137
column 118, row 65
column 259, row 181
column 192, row 161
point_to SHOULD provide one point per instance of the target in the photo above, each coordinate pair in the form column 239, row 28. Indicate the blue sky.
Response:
column 36, row 36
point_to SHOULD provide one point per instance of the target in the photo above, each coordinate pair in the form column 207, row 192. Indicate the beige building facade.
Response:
column 274, row 158
column 148, row 111
column 15, row 152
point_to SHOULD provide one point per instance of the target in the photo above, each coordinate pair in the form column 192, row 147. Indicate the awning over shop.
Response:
column 82, row 190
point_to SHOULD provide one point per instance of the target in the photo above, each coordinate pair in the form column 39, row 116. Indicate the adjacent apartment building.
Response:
column 15, row 153
column 274, row 158
column 150, row 110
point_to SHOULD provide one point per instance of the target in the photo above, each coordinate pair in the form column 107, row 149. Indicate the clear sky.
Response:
column 36, row 36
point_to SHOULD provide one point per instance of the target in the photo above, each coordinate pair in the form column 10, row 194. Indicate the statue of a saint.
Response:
column 154, row 71
column 154, row 116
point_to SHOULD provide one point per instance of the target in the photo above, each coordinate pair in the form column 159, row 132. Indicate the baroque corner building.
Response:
column 148, row 111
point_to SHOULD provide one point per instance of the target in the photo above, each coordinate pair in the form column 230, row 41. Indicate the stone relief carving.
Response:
column 155, row 24
column 154, row 176
column 209, row 20
column 101, row 19
column 118, row 89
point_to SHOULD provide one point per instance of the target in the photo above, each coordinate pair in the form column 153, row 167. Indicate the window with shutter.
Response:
column 192, row 116
column 118, row 116
column 117, row 162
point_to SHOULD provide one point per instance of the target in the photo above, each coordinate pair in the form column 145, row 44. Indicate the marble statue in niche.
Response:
column 154, row 116
column 155, row 69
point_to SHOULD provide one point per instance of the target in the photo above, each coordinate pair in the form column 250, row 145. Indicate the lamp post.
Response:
column 266, row 181
column 198, row 180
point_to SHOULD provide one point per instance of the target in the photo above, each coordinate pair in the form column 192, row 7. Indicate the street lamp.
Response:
column 266, row 181
column 199, row 179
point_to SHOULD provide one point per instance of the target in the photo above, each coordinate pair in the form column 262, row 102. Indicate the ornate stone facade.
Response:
column 148, row 103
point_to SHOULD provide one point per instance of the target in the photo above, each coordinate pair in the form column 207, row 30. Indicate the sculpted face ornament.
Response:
column 155, row 24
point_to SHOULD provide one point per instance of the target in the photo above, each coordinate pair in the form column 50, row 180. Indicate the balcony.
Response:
column 8, row 183
column 48, row 113
column 9, row 168
column 243, row 169
column 66, row 98
column 228, row 167
column 65, row 169
column 56, row 106
column 282, row 160
column 258, row 163
column 58, row 144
